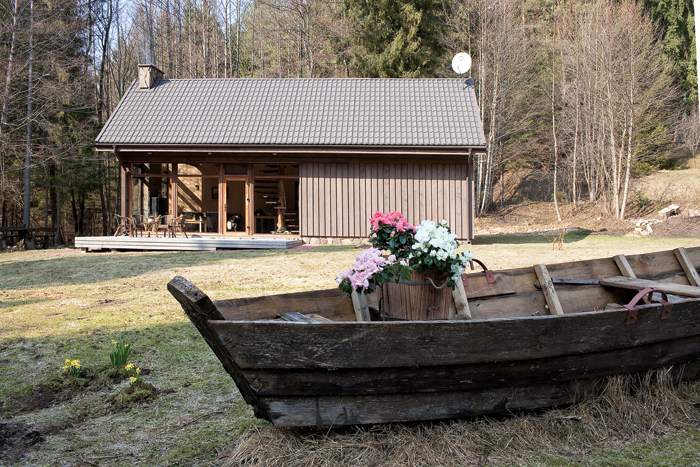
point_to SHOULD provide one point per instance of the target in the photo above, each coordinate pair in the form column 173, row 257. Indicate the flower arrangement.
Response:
column 370, row 270
column 391, row 231
column 435, row 247
column 72, row 367
column 423, row 247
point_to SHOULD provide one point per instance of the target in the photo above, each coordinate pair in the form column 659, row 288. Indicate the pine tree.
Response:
column 396, row 38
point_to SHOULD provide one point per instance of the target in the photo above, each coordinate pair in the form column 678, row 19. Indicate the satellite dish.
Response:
column 461, row 63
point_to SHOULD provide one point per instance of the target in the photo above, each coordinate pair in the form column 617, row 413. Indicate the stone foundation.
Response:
column 334, row 241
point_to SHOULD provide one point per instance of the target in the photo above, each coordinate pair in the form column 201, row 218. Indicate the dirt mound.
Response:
column 678, row 227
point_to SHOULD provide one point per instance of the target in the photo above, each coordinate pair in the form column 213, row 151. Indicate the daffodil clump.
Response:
column 72, row 367
column 121, row 349
column 134, row 374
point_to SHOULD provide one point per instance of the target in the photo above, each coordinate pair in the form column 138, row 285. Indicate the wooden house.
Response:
column 310, row 157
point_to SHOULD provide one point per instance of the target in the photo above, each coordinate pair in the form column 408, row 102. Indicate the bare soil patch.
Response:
column 16, row 439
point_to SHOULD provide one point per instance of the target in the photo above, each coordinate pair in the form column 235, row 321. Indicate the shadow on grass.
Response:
column 97, row 267
column 14, row 303
column 536, row 237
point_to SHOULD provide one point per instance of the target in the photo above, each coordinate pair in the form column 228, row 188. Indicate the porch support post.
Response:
column 173, row 189
column 222, row 200
column 125, row 188
column 470, row 196
column 249, row 204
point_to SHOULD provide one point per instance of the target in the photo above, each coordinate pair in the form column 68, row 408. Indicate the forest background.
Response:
column 588, row 94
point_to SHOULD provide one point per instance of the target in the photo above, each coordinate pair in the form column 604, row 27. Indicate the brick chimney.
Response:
column 148, row 75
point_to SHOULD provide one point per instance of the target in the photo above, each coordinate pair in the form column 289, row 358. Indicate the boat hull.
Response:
column 347, row 372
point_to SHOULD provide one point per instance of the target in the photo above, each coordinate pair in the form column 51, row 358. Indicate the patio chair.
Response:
column 150, row 225
column 162, row 225
column 125, row 226
column 175, row 224
column 138, row 225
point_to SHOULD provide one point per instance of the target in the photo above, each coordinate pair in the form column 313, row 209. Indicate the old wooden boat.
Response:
column 537, row 337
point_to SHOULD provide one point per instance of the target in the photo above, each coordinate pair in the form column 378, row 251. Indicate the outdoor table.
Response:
column 200, row 222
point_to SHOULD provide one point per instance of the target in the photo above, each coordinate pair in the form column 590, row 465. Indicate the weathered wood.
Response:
column 361, row 381
column 331, row 303
column 295, row 317
column 319, row 318
column 548, row 290
column 420, row 343
column 333, row 373
column 331, row 200
column 460, row 301
column 687, row 266
column 208, row 243
column 624, row 266
column 478, row 287
column 385, row 408
column 425, row 296
column 639, row 284
column 359, row 304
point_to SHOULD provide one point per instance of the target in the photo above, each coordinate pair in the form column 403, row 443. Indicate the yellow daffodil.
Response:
column 133, row 380
column 130, row 366
column 138, row 371
column 64, row 367
column 67, row 360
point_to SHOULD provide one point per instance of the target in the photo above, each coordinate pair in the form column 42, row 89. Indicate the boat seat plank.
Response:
column 687, row 266
column 639, row 284
column 548, row 290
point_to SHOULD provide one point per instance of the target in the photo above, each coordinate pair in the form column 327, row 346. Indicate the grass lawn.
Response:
column 61, row 304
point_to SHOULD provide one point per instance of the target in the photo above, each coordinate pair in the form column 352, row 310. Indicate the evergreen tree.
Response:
column 675, row 17
column 396, row 38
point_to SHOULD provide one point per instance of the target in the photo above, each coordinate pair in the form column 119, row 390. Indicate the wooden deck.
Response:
column 193, row 243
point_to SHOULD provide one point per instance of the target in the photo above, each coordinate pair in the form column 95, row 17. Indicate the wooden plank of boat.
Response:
column 359, row 304
column 624, row 266
column 384, row 408
column 388, row 380
column 331, row 303
column 477, row 285
column 687, row 266
column 420, row 343
column 548, row 289
column 640, row 284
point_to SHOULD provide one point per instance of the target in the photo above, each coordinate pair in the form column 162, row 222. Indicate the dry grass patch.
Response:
column 60, row 304
column 628, row 409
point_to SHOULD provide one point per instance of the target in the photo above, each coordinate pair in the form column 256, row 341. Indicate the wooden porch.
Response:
column 195, row 242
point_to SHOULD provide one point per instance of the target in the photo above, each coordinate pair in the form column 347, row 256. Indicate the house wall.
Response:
column 337, row 199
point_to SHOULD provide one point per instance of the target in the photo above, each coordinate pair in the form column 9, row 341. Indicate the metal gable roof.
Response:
column 304, row 112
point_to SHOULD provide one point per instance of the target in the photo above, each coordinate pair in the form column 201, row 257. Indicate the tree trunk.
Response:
column 28, row 152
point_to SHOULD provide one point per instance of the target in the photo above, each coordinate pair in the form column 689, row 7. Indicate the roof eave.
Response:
column 293, row 149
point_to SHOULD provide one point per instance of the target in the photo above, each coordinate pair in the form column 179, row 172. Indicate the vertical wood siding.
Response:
column 338, row 199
